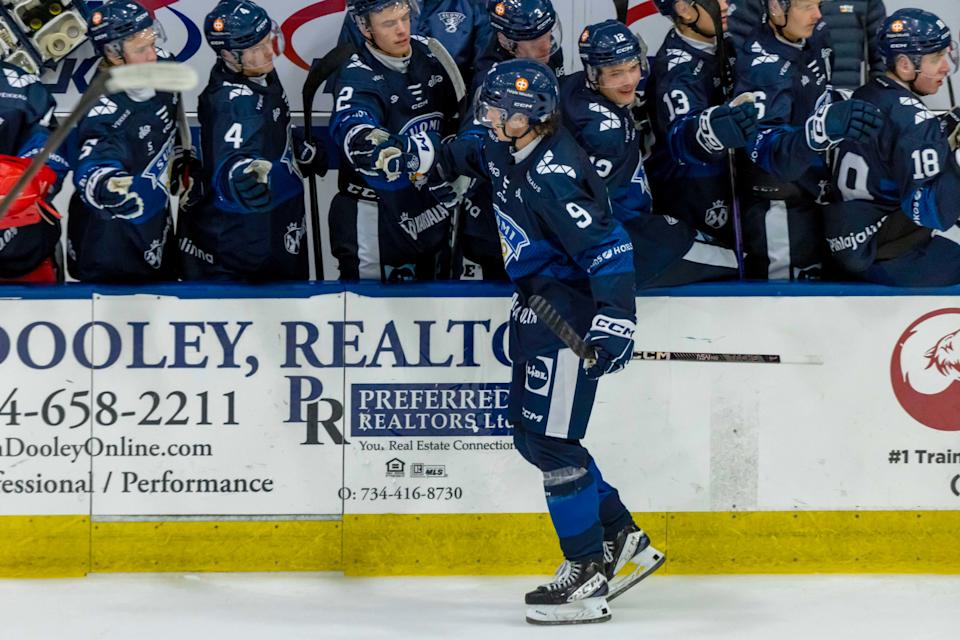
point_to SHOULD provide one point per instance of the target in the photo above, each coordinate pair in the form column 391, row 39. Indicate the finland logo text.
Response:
column 547, row 166
column 611, row 121
column 512, row 236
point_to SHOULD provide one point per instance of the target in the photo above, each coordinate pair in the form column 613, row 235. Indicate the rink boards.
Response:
column 363, row 429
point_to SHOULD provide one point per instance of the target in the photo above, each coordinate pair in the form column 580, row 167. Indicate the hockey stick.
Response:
column 713, row 9
column 320, row 70
column 562, row 329
column 162, row 76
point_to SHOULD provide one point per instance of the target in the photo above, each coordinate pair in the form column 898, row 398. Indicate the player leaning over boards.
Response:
column 897, row 222
column 786, row 63
column 251, row 221
column 120, row 228
column 560, row 241
column 597, row 104
column 393, row 104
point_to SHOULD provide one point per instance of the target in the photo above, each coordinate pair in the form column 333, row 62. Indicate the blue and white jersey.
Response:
column 788, row 81
column 137, row 137
column 245, row 119
column 372, row 95
column 26, row 120
column 690, row 180
column 558, row 236
column 896, row 188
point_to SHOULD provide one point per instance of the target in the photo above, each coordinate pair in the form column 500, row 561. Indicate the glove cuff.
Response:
column 706, row 137
column 622, row 327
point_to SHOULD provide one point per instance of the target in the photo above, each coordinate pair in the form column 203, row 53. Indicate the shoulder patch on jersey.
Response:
column 19, row 81
column 763, row 57
column 677, row 57
column 451, row 20
column 357, row 63
column 611, row 120
column 238, row 90
column 923, row 113
column 547, row 166
column 106, row 107
column 513, row 238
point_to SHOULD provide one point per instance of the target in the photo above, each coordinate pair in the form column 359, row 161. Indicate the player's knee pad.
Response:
column 520, row 442
column 572, row 500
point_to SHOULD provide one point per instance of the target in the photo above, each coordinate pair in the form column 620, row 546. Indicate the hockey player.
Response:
column 393, row 104
column 692, row 126
column 251, row 222
column 560, row 241
column 29, row 245
column 521, row 29
column 597, row 104
column 786, row 64
column 897, row 223
column 120, row 228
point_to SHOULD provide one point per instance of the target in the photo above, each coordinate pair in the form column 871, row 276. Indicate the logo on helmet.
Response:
column 500, row 9
column 897, row 26
column 96, row 18
column 522, row 84
column 585, row 35
column 218, row 25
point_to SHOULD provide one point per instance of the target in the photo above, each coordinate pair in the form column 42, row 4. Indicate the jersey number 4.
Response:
column 234, row 135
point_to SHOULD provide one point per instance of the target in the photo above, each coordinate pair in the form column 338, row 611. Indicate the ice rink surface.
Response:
column 291, row 606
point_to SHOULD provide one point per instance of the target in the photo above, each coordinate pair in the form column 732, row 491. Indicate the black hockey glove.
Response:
column 950, row 125
column 832, row 123
column 186, row 178
column 727, row 127
column 612, row 338
column 312, row 160
column 112, row 196
column 250, row 184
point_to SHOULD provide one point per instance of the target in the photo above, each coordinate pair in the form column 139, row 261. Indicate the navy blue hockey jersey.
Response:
column 689, row 181
column 788, row 82
column 371, row 95
column 242, row 119
column 26, row 119
column 138, row 138
column 897, row 187
column 558, row 236
column 608, row 134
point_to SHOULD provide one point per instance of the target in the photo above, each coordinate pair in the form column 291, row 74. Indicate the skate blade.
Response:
column 586, row 611
column 647, row 561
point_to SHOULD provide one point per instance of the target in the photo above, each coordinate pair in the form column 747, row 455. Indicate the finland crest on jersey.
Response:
column 157, row 172
column 451, row 20
column 512, row 236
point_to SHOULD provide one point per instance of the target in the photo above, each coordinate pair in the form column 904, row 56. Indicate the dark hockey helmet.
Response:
column 113, row 22
column 237, row 25
column 669, row 7
column 914, row 33
column 360, row 10
column 518, row 88
column 779, row 8
column 525, row 20
column 611, row 43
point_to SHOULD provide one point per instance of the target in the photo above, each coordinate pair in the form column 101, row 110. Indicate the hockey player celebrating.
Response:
column 897, row 224
column 693, row 128
column 597, row 111
column 251, row 222
column 30, row 235
column 786, row 64
column 120, row 228
column 560, row 241
column 393, row 104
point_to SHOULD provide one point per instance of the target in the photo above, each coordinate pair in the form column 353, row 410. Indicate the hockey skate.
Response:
column 577, row 595
column 631, row 546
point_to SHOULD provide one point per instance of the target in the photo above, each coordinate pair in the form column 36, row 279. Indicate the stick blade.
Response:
column 162, row 76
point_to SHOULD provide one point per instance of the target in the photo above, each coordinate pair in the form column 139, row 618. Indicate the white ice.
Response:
column 287, row 606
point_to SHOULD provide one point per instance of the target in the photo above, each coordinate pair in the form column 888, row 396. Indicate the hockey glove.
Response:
column 832, row 123
column 113, row 196
column 612, row 338
column 250, row 184
column 312, row 160
column 950, row 122
column 186, row 179
column 727, row 127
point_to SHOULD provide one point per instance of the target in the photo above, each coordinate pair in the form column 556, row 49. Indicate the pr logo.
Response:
column 925, row 370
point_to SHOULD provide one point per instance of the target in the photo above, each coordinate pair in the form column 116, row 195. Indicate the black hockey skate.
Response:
column 577, row 595
column 631, row 546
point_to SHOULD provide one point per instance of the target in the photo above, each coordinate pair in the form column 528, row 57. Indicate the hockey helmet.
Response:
column 669, row 7
column 779, row 8
column 526, row 20
column 237, row 25
column 360, row 10
column 914, row 33
column 519, row 89
column 610, row 43
column 30, row 206
column 115, row 21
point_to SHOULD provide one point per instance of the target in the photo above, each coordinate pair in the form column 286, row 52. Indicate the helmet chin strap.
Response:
column 693, row 25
